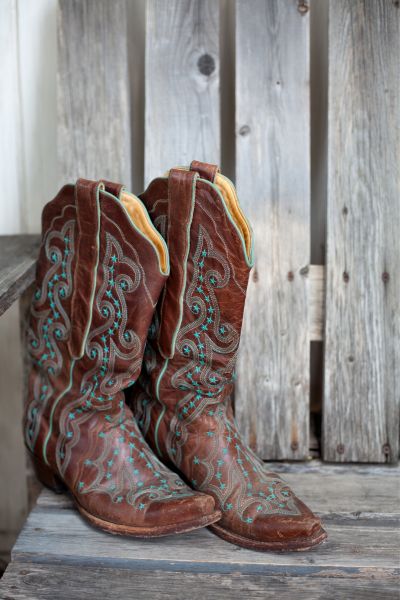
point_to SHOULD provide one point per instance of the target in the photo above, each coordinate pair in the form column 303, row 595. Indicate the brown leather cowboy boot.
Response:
column 100, row 271
column 183, row 406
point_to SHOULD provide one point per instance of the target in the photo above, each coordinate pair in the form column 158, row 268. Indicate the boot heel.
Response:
column 46, row 476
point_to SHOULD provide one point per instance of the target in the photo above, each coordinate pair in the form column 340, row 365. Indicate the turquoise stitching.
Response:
column 67, row 389
column 249, row 259
column 160, row 418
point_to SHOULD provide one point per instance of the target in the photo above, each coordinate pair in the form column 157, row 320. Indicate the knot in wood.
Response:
column 206, row 64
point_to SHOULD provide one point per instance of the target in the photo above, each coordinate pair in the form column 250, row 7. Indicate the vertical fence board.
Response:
column 273, row 180
column 182, row 120
column 93, row 98
column 11, row 170
column 37, row 72
column 363, row 250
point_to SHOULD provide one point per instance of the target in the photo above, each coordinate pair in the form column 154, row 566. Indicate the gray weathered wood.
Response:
column 13, row 497
column 58, row 554
column 316, row 299
column 93, row 99
column 62, row 536
column 29, row 581
column 273, row 180
column 18, row 254
column 182, row 84
column 361, row 415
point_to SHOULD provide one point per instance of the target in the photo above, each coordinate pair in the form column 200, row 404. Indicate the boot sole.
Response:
column 297, row 545
column 149, row 532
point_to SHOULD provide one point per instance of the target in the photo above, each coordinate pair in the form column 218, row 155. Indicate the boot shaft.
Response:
column 99, row 275
column 193, row 344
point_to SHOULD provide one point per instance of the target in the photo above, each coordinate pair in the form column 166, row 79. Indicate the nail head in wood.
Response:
column 244, row 130
column 303, row 8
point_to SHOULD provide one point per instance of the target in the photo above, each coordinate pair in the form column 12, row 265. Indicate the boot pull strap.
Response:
column 87, row 255
column 181, row 198
column 113, row 188
column 205, row 170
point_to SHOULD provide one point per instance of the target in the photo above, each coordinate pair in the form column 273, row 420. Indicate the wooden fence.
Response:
column 287, row 308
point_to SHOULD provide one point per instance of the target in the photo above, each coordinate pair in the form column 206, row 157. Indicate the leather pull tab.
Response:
column 181, row 199
column 87, row 255
column 113, row 188
column 205, row 170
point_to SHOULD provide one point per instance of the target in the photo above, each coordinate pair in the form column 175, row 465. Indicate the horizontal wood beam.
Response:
column 18, row 254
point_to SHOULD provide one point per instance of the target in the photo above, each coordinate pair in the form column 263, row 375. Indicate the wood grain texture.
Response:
column 37, row 73
column 273, row 181
column 182, row 120
column 361, row 415
column 18, row 255
column 93, row 91
column 30, row 581
column 58, row 554
column 316, row 299
column 13, row 496
column 63, row 536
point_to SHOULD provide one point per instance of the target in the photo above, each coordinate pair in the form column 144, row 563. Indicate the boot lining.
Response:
column 138, row 215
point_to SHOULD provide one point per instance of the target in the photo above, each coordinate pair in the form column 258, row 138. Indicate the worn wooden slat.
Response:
column 62, row 536
column 37, row 74
column 29, row 581
column 182, row 120
column 330, row 492
column 13, row 497
column 361, row 416
column 93, row 99
column 273, row 181
column 316, row 300
column 18, row 254
column 17, row 269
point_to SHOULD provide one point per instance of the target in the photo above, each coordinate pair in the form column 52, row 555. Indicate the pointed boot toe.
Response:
column 273, row 533
column 182, row 514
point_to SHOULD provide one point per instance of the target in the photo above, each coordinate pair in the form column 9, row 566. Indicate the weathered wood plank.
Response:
column 273, row 181
column 361, row 416
column 316, row 299
column 29, row 581
column 37, row 74
column 62, row 536
column 13, row 497
column 331, row 493
column 93, row 99
column 182, row 120
column 18, row 254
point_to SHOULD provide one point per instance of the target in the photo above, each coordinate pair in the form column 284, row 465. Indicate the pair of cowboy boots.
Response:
column 106, row 284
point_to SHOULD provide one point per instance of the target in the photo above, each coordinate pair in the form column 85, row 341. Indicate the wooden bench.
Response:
column 58, row 555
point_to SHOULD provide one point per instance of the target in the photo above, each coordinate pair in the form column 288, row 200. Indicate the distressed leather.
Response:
column 182, row 401
column 98, row 280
